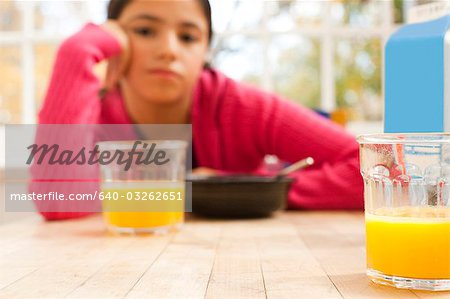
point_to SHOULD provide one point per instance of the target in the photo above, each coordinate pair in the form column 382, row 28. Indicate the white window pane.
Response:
column 97, row 10
column 357, row 13
column 59, row 17
column 358, row 77
column 10, row 85
column 287, row 15
column 44, row 58
column 295, row 62
column 10, row 16
column 241, row 58
column 237, row 15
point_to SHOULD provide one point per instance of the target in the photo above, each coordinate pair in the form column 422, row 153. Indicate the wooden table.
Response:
column 292, row 255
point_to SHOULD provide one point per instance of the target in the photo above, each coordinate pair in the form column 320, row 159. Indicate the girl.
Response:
column 156, row 52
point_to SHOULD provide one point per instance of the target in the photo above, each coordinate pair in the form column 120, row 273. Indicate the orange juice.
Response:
column 143, row 205
column 410, row 242
column 143, row 219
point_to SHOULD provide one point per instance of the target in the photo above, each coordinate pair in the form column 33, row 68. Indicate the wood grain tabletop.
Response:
column 291, row 255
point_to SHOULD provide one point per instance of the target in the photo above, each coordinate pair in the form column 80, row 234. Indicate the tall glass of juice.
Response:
column 407, row 209
column 143, row 185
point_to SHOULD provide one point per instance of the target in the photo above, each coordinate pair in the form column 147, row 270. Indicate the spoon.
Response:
column 294, row 167
column 280, row 174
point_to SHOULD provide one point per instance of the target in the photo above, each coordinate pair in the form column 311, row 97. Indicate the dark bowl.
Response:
column 238, row 196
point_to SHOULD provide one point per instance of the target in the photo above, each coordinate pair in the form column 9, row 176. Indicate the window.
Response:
column 29, row 34
column 323, row 54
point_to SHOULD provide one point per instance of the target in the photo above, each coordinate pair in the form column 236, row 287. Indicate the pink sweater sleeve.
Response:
column 293, row 132
column 240, row 124
column 72, row 98
column 72, row 95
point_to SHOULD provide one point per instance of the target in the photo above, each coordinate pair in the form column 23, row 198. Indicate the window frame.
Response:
column 26, row 39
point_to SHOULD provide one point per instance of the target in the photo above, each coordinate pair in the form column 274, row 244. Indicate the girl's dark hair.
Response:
column 116, row 7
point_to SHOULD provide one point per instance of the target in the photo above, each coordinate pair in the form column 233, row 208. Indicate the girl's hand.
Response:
column 204, row 171
column 117, row 65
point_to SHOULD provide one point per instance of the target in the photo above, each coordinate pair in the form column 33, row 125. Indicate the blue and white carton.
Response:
column 417, row 78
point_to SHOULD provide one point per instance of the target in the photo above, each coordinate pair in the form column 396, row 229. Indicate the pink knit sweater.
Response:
column 234, row 125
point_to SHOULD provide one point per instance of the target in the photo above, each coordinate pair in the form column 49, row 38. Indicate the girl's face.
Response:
column 168, row 44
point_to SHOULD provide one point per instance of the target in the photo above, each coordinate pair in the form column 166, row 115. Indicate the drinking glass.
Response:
column 407, row 209
column 148, row 193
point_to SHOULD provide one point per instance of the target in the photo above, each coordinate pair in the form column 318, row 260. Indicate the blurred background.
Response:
column 327, row 55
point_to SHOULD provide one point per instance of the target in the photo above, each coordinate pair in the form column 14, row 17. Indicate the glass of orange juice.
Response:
column 143, row 185
column 407, row 209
